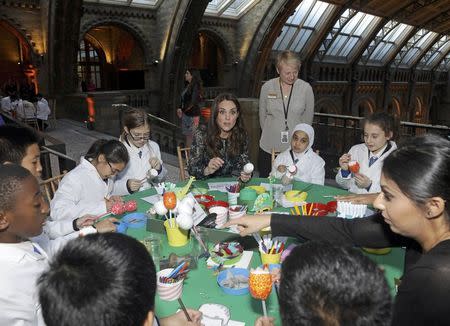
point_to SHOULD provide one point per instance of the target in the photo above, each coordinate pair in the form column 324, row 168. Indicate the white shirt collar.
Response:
column 380, row 152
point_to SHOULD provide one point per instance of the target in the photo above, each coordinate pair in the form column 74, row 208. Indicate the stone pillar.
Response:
column 250, row 116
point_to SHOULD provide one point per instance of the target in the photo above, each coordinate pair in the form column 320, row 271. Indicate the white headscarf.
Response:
column 306, row 128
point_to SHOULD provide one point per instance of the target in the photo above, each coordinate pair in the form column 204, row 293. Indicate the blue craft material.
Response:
column 235, row 271
column 122, row 228
column 135, row 220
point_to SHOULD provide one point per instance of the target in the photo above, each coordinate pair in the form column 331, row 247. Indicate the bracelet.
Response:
column 74, row 225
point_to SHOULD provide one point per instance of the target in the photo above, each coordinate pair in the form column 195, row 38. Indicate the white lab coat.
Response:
column 138, row 167
column 6, row 104
column 42, row 109
column 310, row 166
column 20, row 269
column 26, row 110
column 82, row 191
column 360, row 153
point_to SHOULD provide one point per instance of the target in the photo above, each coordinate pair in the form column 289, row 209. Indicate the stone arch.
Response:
column 326, row 105
column 364, row 106
column 20, row 32
column 419, row 110
column 395, row 108
column 220, row 39
column 133, row 29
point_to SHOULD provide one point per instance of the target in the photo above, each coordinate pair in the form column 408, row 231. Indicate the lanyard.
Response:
column 286, row 109
column 295, row 160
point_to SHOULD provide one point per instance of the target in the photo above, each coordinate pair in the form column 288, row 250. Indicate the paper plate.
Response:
column 219, row 254
column 296, row 196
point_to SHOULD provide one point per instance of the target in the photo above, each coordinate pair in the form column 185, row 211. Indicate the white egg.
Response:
column 185, row 221
column 175, row 210
column 184, row 208
column 292, row 169
column 188, row 200
column 248, row 168
column 160, row 208
column 152, row 173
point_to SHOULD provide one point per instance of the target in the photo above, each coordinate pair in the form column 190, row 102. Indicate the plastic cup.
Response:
column 176, row 237
column 233, row 198
column 270, row 258
column 153, row 245
column 222, row 214
column 168, row 291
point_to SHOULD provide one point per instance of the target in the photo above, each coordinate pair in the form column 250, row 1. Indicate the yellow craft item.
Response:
column 380, row 251
column 181, row 192
column 259, row 189
column 297, row 210
column 296, row 196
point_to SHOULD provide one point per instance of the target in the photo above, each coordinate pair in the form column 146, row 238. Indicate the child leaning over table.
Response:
column 310, row 166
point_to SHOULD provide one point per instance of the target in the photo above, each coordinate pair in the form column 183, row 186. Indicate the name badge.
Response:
column 272, row 96
column 284, row 137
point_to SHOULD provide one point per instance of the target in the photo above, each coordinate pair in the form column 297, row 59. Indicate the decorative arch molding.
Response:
column 329, row 104
column 133, row 29
column 221, row 40
column 368, row 104
column 20, row 32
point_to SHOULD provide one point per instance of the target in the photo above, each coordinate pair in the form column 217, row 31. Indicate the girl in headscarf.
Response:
column 310, row 166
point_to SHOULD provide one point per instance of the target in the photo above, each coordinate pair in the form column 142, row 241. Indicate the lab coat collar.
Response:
column 18, row 251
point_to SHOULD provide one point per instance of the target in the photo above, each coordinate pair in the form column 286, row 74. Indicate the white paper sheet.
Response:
column 220, row 186
column 152, row 199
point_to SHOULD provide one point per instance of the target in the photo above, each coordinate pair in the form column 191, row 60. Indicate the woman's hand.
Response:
column 265, row 321
column 249, row 224
column 281, row 168
column 362, row 181
column 179, row 113
column 366, row 199
column 155, row 163
column 106, row 225
column 214, row 164
column 134, row 184
column 343, row 161
column 179, row 318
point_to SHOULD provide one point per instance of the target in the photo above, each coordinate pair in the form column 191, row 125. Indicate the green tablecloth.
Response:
column 201, row 285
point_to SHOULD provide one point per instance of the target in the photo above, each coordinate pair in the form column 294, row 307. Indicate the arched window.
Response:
column 89, row 71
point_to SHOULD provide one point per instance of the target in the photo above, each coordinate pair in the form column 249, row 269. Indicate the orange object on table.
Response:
column 170, row 200
column 260, row 284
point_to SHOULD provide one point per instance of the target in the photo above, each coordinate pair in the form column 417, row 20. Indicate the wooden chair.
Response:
column 183, row 159
column 274, row 155
column 49, row 186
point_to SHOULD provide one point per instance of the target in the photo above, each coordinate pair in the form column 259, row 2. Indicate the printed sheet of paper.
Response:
column 220, row 186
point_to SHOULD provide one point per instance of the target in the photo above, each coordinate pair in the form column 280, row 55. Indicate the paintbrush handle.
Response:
column 184, row 309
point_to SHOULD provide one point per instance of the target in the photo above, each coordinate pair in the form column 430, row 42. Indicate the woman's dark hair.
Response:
column 386, row 122
column 196, row 80
column 238, row 135
column 113, row 150
column 134, row 118
column 421, row 169
column 104, row 279
column 328, row 284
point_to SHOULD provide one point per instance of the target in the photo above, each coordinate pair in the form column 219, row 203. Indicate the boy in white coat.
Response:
column 145, row 156
column 370, row 155
column 310, row 166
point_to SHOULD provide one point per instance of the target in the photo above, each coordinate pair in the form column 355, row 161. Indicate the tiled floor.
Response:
column 78, row 139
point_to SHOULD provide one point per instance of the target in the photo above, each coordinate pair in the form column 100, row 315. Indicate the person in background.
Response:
column 42, row 111
column 221, row 149
column 189, row 112
column 310, row 166
column 114, row 285
column 284, row 102
column 378, row 131
column 414, row 213
column 144, row 154
column 88, row 189
column 326, row 284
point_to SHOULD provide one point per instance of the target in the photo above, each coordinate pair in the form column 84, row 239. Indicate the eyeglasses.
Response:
column 113, row 170
column 139, row 136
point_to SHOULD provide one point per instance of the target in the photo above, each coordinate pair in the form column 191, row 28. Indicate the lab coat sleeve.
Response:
column 162, row 175
column 120, row 184
column 318, row 172
column 279, row 160
column 52, row 246
column 66, row 204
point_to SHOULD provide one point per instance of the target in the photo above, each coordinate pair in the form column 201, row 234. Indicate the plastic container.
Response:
column 235, row 271
column 176, row 236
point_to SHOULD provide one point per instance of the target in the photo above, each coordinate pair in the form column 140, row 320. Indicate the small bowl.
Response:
column 215, row 203
column 235, row 271
column 135, row 220
column 203, row 198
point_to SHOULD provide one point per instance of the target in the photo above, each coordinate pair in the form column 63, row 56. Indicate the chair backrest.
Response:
column 274, row 155
column 49, row 186
column 183, row 159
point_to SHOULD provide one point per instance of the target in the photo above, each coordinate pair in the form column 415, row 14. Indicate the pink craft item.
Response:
column 130, row 206
column 117, row 208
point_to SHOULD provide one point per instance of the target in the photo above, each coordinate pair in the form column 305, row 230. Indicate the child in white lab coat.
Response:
column 144, row 154
column 310, row 166
column 24, row 248
column 370, row 155
column 87, row 189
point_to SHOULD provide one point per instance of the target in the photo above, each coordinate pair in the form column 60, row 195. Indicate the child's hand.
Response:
column 276, row 275
column 179, row 318
column 111, row 200
column 155, row 163
column 343, row 161
column 362, row 181
column 281, row 168
column 265, row 321
column 85, row 220
column 134, row 184
column 107, row 225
